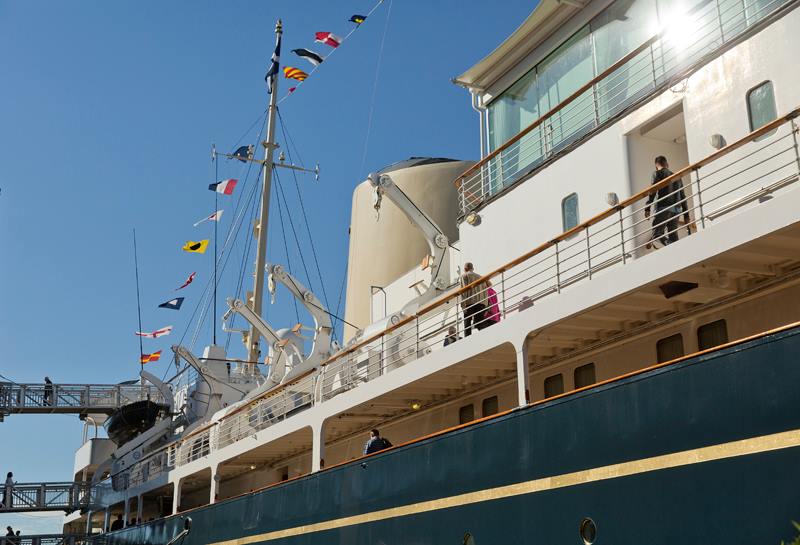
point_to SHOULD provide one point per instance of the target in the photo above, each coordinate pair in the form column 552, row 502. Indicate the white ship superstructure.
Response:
column 574, row 106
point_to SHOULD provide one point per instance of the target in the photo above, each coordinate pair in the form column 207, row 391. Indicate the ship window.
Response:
column 584, row 375
column 554, row 385
column 761, row 107
column 711, row 335
column 489, row 406
column 670, row 348
column 284, row 471
column 569, row 211
column 466, row 414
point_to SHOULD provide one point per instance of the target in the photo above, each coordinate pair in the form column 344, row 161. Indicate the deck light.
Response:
column 473, row 218
column 416, row 405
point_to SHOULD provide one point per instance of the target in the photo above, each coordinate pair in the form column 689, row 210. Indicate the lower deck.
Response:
column 688, row 451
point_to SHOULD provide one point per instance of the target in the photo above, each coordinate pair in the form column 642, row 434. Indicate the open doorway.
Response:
column 664, row 134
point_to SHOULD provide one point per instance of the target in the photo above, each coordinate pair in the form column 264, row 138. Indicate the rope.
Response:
column 341, row 292
column 291, row 224
column 376, row 6
column 375, row 88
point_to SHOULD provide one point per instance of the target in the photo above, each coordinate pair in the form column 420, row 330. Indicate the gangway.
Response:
column 82, row 399
column 51, row 539
column 33, row 497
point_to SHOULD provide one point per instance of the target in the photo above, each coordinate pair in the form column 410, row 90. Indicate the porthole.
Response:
column 588, row 531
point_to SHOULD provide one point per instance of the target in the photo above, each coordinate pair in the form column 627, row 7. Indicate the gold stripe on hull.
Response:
column 755, row 445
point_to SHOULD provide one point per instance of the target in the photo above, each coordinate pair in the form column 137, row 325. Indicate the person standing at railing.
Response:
column 669, row 202
column 376, row 443
column 48, row 391
column 473, row 300
column 8, row 489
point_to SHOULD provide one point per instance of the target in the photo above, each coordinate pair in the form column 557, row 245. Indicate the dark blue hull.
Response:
column 705, row 450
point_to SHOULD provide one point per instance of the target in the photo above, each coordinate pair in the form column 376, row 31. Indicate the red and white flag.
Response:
column 213, row 217
column 157, row 333
column 328, row 38
column 225, row 186
column 188, row 281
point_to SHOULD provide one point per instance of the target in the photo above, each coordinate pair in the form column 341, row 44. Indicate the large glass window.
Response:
column 761, row 107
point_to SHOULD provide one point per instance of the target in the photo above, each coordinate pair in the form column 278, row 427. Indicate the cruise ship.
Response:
column 587, row 336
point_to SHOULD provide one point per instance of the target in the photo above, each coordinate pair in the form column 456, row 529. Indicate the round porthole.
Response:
column 588, row 531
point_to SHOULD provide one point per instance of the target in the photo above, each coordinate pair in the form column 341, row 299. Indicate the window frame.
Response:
column 544, row 385
column 661, row 340
column 461, row 410
column 589, row 365
column 577, row 211
column 713, row 323
column 747, row 96
column 496, row 401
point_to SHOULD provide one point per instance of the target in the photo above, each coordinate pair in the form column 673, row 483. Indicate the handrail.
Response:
column 557, row 108
column 238, row 430
column 580, row 227
column 590, row 85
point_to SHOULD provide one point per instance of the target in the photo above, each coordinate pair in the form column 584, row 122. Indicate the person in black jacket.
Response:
column 669, row 202
column 376, row 443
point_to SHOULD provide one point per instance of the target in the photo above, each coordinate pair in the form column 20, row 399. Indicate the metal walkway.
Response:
column 30, row 497
column 80, row 399
column 51, row 539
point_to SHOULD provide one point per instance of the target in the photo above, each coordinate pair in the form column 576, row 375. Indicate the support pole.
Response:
column 176, row 496
column 317, row 446
column 214, row 488
column 263, row 220
column 523, row 374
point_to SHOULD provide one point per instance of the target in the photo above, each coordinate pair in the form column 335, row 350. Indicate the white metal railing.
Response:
column 28, row 497
column 760, row 165
column 21, row 398
column 637, row 75
column 50, row 539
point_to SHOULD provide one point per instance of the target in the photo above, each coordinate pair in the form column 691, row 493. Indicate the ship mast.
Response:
column 269, row 144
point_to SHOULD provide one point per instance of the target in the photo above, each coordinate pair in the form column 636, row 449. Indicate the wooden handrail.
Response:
column 585, row 225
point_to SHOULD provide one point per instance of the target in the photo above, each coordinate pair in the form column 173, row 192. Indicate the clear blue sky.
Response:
column 107, row 114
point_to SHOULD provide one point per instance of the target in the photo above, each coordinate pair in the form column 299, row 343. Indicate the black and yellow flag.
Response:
column 198, row 247
column 358, row 19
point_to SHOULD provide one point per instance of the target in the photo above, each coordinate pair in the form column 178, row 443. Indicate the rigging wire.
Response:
column 291, row 224
column 376, row 6
column 375, row 89
column 233, row 230
column 341, row 292
column 286, row 249
column 284, row 130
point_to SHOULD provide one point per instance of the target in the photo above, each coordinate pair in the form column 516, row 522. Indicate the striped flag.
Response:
column 225, row 186
column 147, row 358
column 294, row 73
column 213, row 217
column 155, row 334
column 314, row 58
column 328, row 38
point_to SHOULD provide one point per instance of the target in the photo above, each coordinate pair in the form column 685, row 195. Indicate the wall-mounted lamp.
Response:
column 612, row 199
column 473, row 218
column 718, row 141
column 416, row 405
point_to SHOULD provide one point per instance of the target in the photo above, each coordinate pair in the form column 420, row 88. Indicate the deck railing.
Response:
column 634, row 77
column 98, row 398
column 29, row 497
column 51, row 539
column 762, row 165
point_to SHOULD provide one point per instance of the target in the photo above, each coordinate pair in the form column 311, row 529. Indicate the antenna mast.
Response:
column 254, row 337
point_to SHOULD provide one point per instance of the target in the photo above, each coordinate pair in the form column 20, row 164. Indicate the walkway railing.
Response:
column 634, row 77
column 51, row 539
column 72, row 398
column 31, row 497
column 760, row 166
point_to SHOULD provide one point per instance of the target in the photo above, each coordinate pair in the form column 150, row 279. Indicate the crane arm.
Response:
column 383, row 185
column 278, row 363
column 321, row 344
